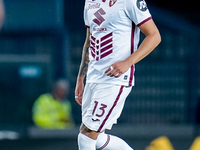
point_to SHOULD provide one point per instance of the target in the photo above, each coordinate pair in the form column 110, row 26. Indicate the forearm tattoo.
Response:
column 84, row 62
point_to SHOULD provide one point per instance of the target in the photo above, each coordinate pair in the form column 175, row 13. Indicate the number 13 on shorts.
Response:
column 101, row 108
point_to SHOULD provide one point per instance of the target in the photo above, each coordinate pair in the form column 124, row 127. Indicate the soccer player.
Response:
column 109, row 55
column 1, row 13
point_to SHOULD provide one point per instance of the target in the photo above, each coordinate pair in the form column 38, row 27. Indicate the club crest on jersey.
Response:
column 112, row 2
column 141, row 5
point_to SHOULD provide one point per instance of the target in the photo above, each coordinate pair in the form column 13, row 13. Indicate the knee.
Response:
column 83, row 129
column 88, row 132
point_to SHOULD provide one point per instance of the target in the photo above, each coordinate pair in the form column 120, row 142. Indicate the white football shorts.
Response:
column 102, row 105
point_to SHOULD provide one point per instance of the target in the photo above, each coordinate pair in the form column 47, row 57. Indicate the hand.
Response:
column 117, row 69
column 79, row 90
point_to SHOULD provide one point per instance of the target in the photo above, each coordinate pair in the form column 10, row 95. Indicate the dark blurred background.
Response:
column 41, row 41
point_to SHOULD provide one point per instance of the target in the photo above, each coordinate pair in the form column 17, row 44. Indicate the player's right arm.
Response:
column 83, row 69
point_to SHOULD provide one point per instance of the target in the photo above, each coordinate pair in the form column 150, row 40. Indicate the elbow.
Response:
column 159, row 39
column 155, row 38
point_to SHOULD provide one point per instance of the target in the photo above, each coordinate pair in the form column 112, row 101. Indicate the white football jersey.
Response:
column 114, row 27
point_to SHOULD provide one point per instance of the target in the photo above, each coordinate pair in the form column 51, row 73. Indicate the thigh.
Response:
column 105, row 106
column 87, row 98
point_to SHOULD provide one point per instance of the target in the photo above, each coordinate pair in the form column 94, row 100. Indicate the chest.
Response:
column 105, row 12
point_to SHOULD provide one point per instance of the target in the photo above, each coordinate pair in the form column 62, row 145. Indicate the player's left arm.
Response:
column 150, row 42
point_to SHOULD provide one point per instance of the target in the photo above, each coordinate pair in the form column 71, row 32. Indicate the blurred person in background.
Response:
column 53, row 110
column 1, row 13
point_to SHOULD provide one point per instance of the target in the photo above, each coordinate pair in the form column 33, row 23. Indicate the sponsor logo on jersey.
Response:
column 99, row 29
column 99, row 16
column 94, row 6
column 141, row 5
column 112, row 2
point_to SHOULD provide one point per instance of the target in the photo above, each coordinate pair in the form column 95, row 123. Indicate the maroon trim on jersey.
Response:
column 107, row 141
column 131, row 75
column 87, row 26
column 106, row 42
column 108, row 115
column 106, row 48
column 132, row 37
column 93, row 49
column 106, row 36
column 92, row 43
column 106, row 54
column 141, row 23
column 93, row 38
column 132, row 51
column 93, row 55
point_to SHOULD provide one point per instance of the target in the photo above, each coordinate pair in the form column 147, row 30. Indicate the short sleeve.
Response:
column 86, row 16
column 137, row 11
